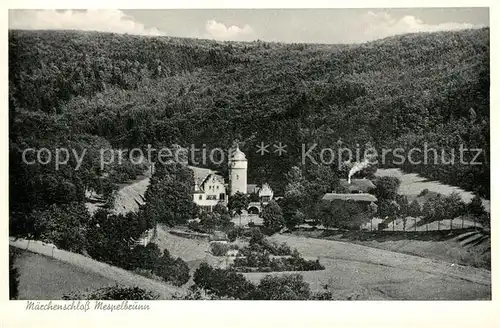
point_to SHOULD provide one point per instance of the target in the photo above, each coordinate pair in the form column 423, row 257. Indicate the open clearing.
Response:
column 412, row 184
column 361, row 272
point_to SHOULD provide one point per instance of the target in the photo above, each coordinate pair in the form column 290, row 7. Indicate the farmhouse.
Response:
column 356, row 190
column 357, row 186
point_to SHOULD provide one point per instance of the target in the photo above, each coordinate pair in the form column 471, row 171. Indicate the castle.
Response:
column 210, row 187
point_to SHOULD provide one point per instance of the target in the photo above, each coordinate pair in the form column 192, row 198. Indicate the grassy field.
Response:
column 444, row 246
column 361, row 272
column 42, row 277
column 52, row 265
column 412, row 184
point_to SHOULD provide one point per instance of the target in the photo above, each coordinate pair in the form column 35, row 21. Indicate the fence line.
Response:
column 412, row 224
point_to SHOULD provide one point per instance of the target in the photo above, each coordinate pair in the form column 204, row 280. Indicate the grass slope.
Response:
column 81, row 268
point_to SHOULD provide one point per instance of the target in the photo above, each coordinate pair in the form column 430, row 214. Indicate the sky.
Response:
column 279, row 25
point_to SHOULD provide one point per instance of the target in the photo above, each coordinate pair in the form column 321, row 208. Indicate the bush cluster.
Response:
column 219, row 249
column 262, row 262
column 114, row 293
column 213, row 283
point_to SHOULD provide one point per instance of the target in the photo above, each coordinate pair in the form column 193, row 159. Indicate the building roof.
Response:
column 201, row 174
column 363, row 185
column 355, row 197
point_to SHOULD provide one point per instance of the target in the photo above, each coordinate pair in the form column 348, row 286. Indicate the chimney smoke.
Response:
column 358, row 166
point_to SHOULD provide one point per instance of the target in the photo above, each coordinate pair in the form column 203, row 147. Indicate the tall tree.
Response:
column 273, row 217
column 237, row 203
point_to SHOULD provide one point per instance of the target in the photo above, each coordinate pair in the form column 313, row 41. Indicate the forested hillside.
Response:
column 92, row 90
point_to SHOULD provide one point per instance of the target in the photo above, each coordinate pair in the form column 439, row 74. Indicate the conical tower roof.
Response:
column 238, row 155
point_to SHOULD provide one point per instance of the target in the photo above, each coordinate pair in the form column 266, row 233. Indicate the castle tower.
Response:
column 238, row 171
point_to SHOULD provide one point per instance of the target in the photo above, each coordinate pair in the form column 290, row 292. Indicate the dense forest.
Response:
column 89, row 90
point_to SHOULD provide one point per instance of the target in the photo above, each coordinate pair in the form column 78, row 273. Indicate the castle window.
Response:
column 237, row 176
column 200, row 197
column 211, row 197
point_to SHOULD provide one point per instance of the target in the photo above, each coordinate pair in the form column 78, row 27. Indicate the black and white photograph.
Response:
column 334, row 154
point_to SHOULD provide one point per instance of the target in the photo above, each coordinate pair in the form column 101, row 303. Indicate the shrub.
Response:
column 256, row 256
column 198, row 294
column 300, row 264
column 322, row 296
column 256, row 236
column 234, row 232
column 195, row 226
column 114, row 293
column 423, row 192
column 276, row 249
column 219, row 249
column 286, row 287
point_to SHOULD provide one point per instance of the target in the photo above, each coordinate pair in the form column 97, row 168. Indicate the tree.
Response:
column 475, row 207
column 169, row 200
column 220, row 208
column 415, row 210
column 238, row 203
column 389, row 208
column 454, row 206
column 386, row 188
column 63, row 225
column 404, row 208
column 111, row 237
column 211, row 221
column 291, row 205
column 295, row 182
column 327, row 214
column 172, row 270
column 273, row 217
column 13, row 278
column 145, row 257
column 223, row 283
column 443, row 208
